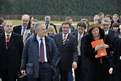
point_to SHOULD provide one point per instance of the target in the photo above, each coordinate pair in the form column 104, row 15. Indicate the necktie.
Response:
column 46, row 26
column 79, row 45
column 64, row 39
column 7, row 38
column 24, row 29
column 42, row 51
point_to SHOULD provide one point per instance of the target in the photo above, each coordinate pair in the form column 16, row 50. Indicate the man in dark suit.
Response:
column 106, row 23
column 68, row 19
column 20, row 29
column 1, row 25
column 47, row 23
column 79, row 34
column 11, row 47
column 39, row 55
column 67, row 52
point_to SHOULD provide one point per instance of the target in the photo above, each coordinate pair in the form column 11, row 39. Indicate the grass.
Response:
column 57, row 23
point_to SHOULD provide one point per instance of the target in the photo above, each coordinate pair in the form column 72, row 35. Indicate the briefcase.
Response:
column 22, row 77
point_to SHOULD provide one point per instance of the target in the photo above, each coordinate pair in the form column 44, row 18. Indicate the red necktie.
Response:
column 64, row 39
column 42, row 51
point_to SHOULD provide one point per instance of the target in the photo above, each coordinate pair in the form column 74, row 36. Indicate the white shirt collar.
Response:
column 24, row 27
column 107, row 31
column 63, row 35
column 8, row 34
column 38, row 38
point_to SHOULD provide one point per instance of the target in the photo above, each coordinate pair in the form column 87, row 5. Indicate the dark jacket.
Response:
column 117, row 60
column 17, row 29
column 98, row 71
column 1, row 30
column 66, row 53
column 30, row 55
column 114, row 35
column 14, row 52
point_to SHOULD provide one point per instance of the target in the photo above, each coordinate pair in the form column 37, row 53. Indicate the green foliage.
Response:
column 60, row 7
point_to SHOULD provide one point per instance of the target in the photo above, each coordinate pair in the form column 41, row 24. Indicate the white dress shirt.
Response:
column 7, row 34
column 39, row 41
column 106, row 32
column 64, row 34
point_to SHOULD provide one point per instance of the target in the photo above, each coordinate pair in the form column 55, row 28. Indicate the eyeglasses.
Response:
column 105, row 24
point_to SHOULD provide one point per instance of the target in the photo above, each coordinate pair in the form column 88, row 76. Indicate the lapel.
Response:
column 2, row 38
column 110, row 32
column 12, row 40
column 68, row 39
column 20, row 29
column 61, row 39
column 47, row 46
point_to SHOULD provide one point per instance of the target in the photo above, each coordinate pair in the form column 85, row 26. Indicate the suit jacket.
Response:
column 14, row 52
column 117, row 60
column 114, row 35
column 1, row 30
column 66, row 53
column 30, row 56
column 54, row 27
column 17, row 29
column 71, row 27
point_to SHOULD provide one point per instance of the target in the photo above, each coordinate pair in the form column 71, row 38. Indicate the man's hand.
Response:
column 74, row 65
column 23, row 72
column 111, row 70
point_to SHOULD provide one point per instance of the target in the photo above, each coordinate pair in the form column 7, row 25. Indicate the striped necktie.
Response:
column 64, row 39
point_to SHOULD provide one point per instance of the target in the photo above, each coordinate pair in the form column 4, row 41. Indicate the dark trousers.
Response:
column 63, row 74
column 45, row 73
column 78, row 70
column 7, row 78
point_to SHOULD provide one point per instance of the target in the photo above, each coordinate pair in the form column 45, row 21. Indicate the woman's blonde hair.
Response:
column 51, row 28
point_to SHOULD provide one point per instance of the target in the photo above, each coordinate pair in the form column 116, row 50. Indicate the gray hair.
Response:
column 37, row 26
column 47, row 17
column 25, row 15
column 96, row 17
column 105, row 20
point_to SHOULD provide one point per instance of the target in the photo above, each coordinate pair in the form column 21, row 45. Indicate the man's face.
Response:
column 33, row 25
column 8, row 27
column 42, row 31
column 70, row 21
column 115, row 18
column 65, row 28
column 106, row 26
column 80, row 29
column 25, row 21
column 47, row 21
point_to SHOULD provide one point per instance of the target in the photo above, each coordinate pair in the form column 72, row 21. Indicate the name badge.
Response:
column 120, row 58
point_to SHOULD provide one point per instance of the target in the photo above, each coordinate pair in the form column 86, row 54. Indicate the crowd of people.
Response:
column 39, row 51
